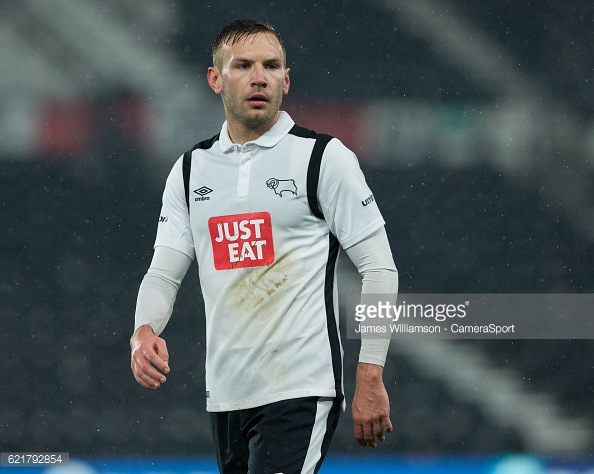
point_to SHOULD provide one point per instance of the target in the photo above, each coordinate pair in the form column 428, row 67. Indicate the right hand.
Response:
column 150, row 359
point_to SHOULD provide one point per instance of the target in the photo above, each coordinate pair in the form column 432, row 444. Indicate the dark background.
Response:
column 78, row 224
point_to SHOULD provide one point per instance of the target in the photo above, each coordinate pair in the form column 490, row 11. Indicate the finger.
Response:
column 146, row 383
column 379, row 432
column 368, row 435
column 146, row 375
column 144, row 370
column 143, row 379
column 156, row 363
column 157, row 355
column 358, row 431
column 161, row 350
column 387, row 423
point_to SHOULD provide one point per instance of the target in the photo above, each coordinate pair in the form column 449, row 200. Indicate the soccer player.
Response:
column 264, row 207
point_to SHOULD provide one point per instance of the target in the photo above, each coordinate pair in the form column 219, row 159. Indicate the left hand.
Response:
column 371, row 406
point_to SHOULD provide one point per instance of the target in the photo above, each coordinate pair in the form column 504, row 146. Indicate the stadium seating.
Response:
column 75, row 251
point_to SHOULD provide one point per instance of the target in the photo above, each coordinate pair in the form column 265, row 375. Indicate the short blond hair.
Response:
column 238, row 30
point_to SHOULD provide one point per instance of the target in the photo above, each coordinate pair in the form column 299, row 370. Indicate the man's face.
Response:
column 251, row 81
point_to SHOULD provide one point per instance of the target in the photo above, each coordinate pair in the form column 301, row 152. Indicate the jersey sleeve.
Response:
column 174, row 230
column 346, row 201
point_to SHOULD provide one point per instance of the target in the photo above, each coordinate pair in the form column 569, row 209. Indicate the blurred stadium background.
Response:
column 474, row 124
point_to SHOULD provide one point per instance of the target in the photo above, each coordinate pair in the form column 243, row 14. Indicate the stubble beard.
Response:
column 250, row 118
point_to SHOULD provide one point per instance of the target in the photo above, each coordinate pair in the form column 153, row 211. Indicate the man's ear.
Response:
column 214, row 79
column 287, row 81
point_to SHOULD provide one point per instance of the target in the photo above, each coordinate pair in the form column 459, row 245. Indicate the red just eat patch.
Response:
column 241, row 240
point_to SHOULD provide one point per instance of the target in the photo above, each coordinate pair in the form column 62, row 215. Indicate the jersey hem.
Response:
column 363, row 233
column 243, row 405
column 175, row 245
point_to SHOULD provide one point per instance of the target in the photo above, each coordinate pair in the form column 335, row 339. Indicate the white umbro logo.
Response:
column 202, row 192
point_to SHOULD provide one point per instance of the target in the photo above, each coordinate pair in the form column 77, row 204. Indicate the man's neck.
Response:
column 240, row 134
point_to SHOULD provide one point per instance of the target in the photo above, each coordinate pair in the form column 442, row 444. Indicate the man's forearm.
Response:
column 374, row 261
column 154, row 304
column 159, row 287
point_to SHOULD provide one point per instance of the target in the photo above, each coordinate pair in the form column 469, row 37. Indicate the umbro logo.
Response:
column 202, row 192
column 369, row 200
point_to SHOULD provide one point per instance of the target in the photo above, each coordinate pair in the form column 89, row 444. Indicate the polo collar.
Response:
column 268, row 139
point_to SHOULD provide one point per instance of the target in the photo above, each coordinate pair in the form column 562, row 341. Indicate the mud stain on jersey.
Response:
column 278, row 371
column 268, row 352
column 259, row 287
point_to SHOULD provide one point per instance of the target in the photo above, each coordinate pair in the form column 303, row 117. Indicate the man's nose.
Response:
column 259, row 75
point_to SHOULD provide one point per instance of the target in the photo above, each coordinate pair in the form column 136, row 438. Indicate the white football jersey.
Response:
column 267, row 258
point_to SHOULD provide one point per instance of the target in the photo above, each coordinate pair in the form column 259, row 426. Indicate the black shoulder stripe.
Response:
column 206, row 144
column 186, row 167
column 303, row 132
column 315, row 162
column 313, row 173
column 187, row 164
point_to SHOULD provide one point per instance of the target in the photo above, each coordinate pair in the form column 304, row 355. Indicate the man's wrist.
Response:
column 145, row 329
column 369, row 372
